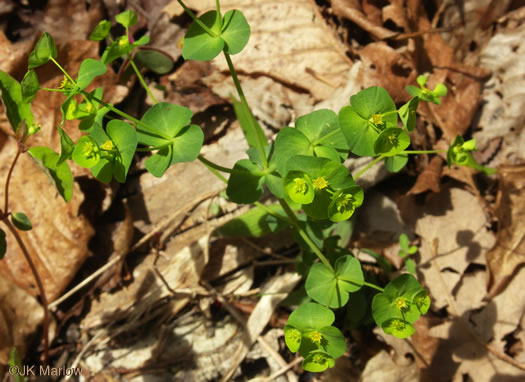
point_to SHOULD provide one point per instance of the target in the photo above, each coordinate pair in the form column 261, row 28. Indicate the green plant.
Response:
column 406, row 250
column 303, row 169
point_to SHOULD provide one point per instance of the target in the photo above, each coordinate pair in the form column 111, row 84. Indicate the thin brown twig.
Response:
column 454, row 312
column 43, row 297
column 8, row 179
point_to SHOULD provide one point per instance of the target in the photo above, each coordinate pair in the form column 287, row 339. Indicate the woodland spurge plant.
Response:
column 303, row 168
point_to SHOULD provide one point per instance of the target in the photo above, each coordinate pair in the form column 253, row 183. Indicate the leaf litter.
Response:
column 180, row 307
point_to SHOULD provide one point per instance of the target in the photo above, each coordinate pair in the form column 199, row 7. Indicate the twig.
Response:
column 471, row 331
column 277, row 357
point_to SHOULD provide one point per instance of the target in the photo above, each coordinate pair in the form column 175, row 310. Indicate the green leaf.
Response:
column 396, row 162
column 45, row 49
column 407, row 113
column 86, row 153
column 391, row 142
column 404, row 242
column 321, row 127
column 331, row 289
column 168, row 128
column 67, row 146
column 398, row 328
column 154, row 60
column 117, row 49
column 290, row 142
column 253, row 223
column 275, row 185
column 372, row 110
column 344, row 203
column 124, row 137
column 15, row 361
column 421, row 300
column 396, row 300
column 3, row 244
column 299, row 187
column 250, row 127
column 127, row 18
column 245, row 182
column 30, row 86
column 235, row 31
column 101, row 31
column 311, row 316
column 198, row 44
column 333, row 341
column 21, row 221
column 410, row 266
column 17, row 110
column 292, row 338
column 89, row 69
column 318, row 361
column 59, row 174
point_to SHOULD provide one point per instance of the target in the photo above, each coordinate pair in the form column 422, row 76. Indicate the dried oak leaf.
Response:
column 509, row 252
column 59, row 238
column 429, row 179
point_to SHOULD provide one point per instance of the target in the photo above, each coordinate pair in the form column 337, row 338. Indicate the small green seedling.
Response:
column 406, row 251
column 302, row 169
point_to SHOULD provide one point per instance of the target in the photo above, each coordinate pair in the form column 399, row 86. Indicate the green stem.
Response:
column 364, row 283
column 368, row 166
column 261, row 140
column 422, row 152
column 52, row 90
column 296, row 224
column 213, row 170
column 141, row 79
column 217, row 167
column 194, row 18
column 63, row 71
column 273, row 213
column 148, row 128
column 219, row 16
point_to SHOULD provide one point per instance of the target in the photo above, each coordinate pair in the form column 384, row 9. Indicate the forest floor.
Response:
column 144, row 285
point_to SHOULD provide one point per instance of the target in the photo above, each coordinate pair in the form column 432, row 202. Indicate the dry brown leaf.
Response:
column 58, row 241
column 503, row 96
column 383, row 368
column 429, row 179
column 386, row 67
column 20, row 315
column 456, row 218
column 509, row 253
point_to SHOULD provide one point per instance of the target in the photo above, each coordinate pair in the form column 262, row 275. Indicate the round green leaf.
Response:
column 292, row 338
column 322, row 286
column 374, row 100
column 396, row 162
column 349, row 273
column 299, row 187
column 198, row 44
column 154, row 60
column 30, row 86
column 411, row 268
column 288, row 143
column 165, row 119
column 333, row 341
column 86, row 153
column 398, row 328
column 391, row 142
column 3, row 244
column 422, row 301
column 45, row 49
column 344, row 203
column 235, row 31
column 21, row 221
column 318, row 209
column 359, row 133
column 245, row 182
column 101, row 31
column 321, row 127
column 124, row 137
column 317, row 361
column 59, row 174
column 311, row 316
column 89, row 69
column 127, row 18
